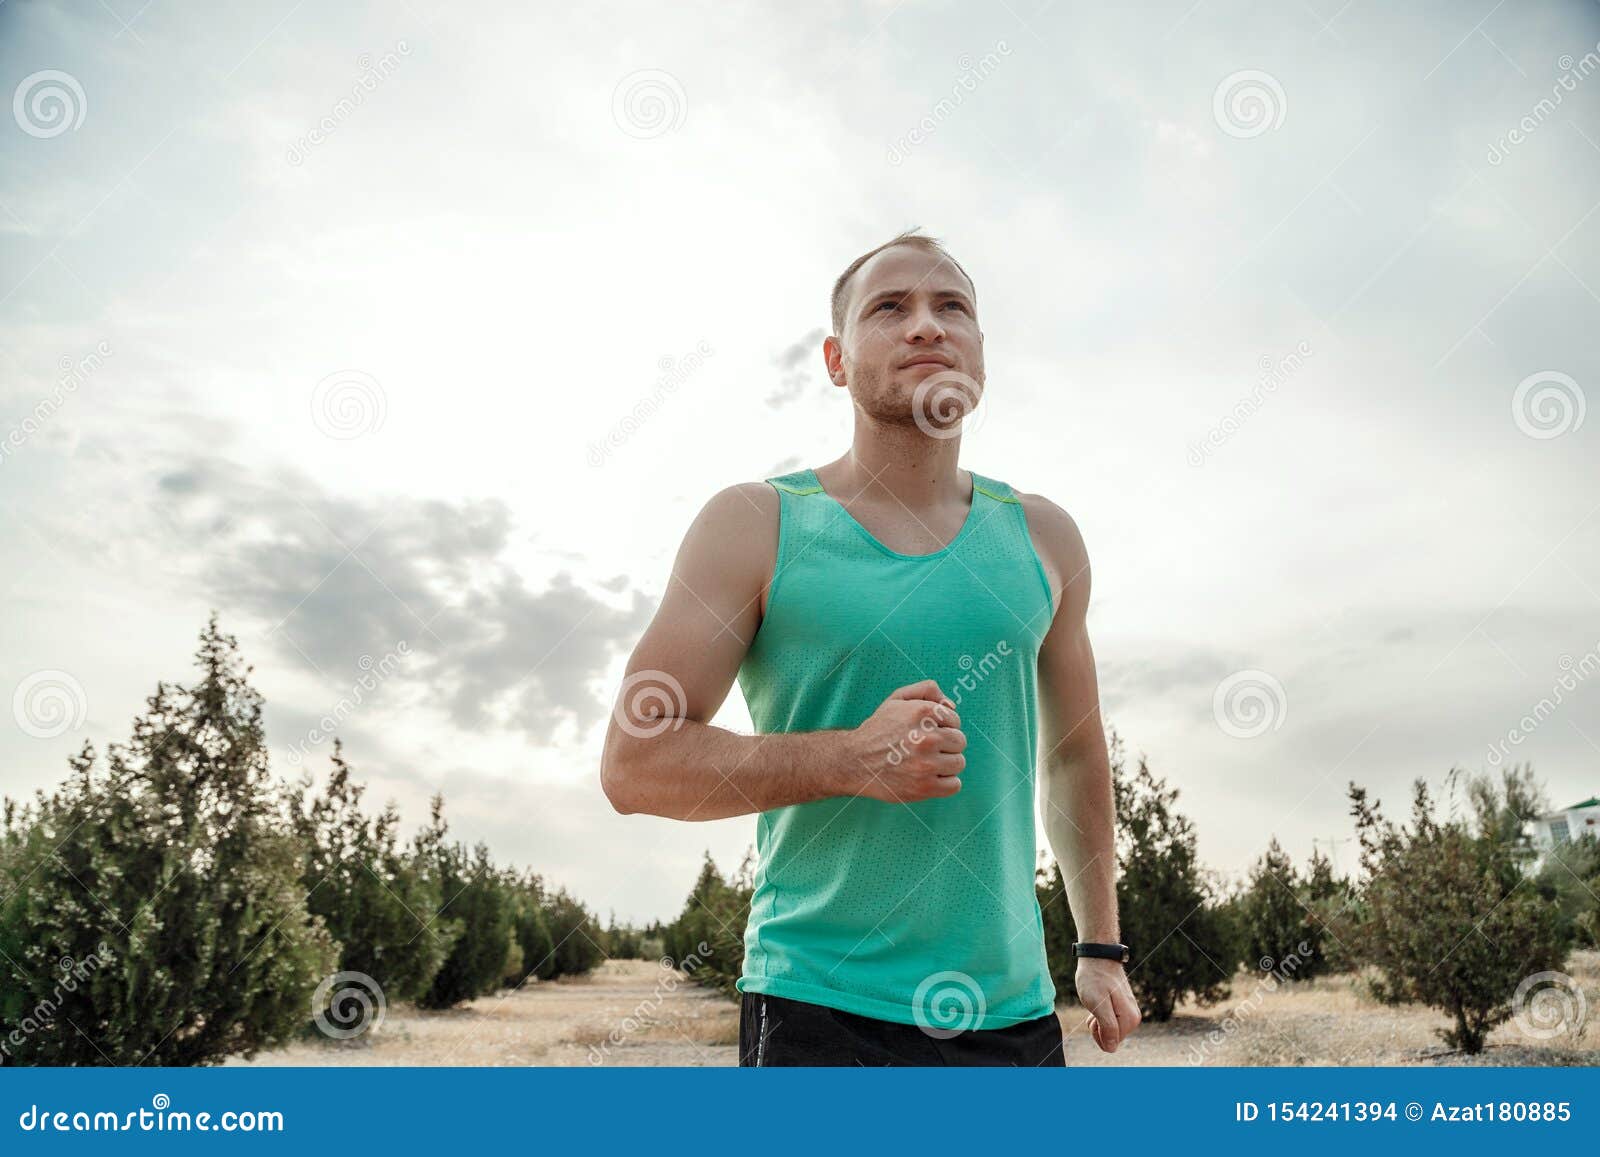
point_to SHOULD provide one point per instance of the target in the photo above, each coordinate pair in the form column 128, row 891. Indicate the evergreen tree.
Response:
column 707, row 939
column 1447, row 920
column 1282, row 933
column 168, row 887
column 532, row 931
column 1571, row 874
column 1333, row 903
column 1180, row 941
column 371, row 893
column 576, row 934
column 476, row 901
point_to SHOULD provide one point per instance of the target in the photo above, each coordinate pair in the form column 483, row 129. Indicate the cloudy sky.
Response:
column 411, row 337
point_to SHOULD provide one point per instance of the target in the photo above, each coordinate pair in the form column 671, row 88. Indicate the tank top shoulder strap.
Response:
column 804, row 516
column 1008, row 525
column 993, row 488
column 799, row 482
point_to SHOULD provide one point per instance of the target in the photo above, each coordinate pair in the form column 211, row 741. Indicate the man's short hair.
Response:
column 841, row 287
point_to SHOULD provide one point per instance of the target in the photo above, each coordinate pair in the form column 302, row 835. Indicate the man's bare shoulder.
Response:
column 742, row 508
column 1053, row 529
column 735, row 533
column 1060, row 547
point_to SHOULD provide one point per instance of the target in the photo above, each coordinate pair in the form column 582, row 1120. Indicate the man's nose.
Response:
column 925, row 326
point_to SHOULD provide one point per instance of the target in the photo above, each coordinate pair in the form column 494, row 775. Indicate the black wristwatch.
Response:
column 1101, row 951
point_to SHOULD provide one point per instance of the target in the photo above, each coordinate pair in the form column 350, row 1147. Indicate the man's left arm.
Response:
column 1075, row 775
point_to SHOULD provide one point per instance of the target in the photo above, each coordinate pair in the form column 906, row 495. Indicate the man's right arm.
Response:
column 661, row 755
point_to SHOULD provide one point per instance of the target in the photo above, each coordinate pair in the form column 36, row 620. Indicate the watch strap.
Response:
column 1101, row 951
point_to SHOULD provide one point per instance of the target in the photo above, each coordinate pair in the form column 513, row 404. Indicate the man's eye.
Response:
column 891, row 304
column 958, row 305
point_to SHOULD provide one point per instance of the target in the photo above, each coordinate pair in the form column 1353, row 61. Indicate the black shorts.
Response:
column 776, row 1031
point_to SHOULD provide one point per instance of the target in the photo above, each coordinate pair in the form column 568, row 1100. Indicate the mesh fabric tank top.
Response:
column 923, row 913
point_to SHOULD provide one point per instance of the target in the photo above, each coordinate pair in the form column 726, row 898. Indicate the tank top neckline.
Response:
column 967, row 526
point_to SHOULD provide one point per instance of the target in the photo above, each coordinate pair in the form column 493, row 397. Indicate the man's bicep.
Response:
column 711, row 607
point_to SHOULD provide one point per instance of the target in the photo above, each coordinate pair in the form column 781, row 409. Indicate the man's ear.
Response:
column 833, row 355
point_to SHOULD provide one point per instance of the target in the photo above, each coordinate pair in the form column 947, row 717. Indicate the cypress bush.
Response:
column 1181, row 941
column 371, row 893
column 154, row 912
column 577, row 936
column 1448, row 918
column 1281, row 931
column 475, row 901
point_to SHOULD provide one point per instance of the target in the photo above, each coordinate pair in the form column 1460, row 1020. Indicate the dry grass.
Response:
column 632, row 1012
column 1330, row 1021
column 627, row 1012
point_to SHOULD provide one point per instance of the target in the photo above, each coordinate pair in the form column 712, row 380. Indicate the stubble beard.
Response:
column 883, row 399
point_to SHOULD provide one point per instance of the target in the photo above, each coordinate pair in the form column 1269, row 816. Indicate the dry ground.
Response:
column 634, row 1012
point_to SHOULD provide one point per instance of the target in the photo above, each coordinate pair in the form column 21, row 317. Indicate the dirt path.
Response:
column 634, row 1012
column 627, row 1012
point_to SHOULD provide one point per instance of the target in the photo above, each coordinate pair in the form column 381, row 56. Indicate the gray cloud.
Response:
column 334, row 579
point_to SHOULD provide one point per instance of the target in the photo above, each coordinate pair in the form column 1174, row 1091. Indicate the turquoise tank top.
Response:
column 923, row 913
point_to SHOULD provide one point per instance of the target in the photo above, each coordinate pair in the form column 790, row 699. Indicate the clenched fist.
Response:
column 910, row 748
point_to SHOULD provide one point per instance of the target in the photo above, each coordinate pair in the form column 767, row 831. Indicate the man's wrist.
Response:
column 1111, row 951
column 1099, row 936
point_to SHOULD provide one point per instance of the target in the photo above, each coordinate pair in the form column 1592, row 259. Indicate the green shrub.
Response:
column 1282, row 931
column 577, row 936
column 707, row 939
column 1166, row 904
column 1448, row 916
column 372, row 894
column 1571, row 874
column 162, row 894
column 475, row 900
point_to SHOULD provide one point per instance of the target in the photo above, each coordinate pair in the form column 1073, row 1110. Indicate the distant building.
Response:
column 1562, row 827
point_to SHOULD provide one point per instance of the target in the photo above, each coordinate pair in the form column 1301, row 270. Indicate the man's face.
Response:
column 910, row 318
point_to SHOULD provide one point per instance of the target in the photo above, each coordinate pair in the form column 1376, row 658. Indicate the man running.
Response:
column 900, row 628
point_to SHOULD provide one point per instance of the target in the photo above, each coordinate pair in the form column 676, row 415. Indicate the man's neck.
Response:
column 907, row 467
